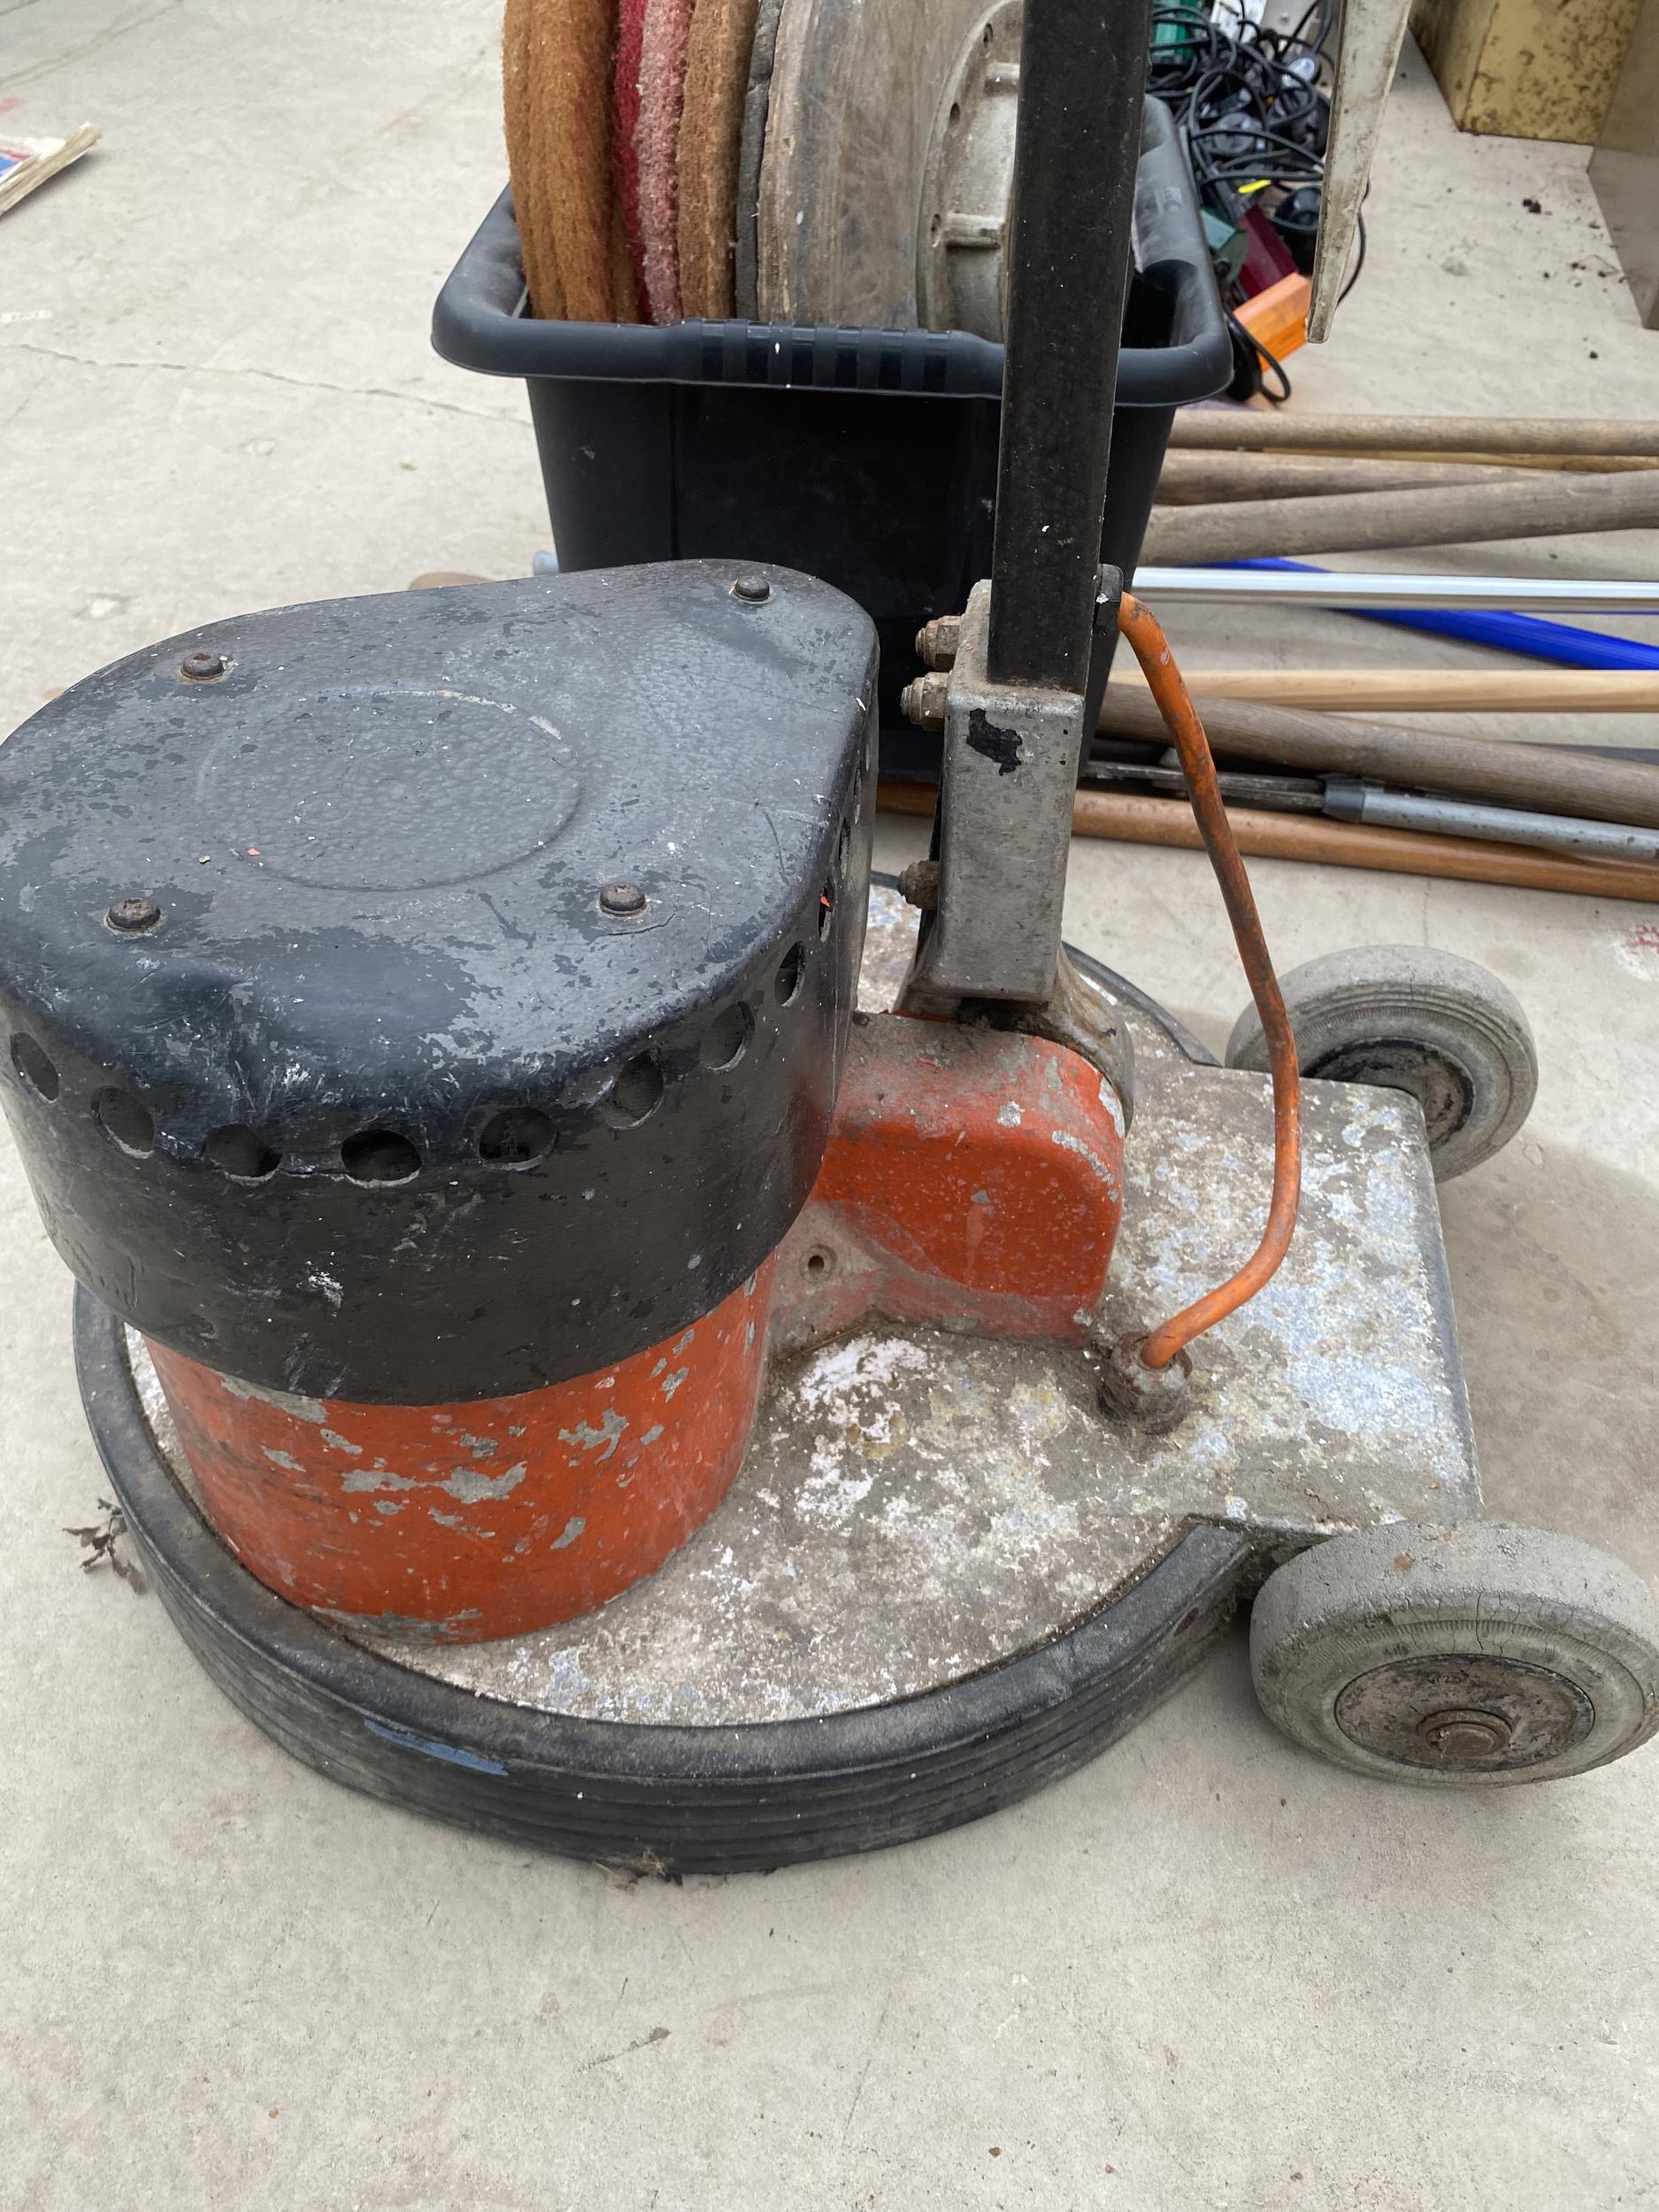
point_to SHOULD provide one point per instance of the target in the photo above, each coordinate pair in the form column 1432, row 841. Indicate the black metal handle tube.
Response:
column 1082, row 77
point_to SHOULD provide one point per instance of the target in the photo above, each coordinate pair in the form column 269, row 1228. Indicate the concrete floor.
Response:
column 1208, row 1971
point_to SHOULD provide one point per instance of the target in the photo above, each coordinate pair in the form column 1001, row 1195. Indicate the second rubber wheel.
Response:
column 1409, row 1018
column 1468, row 1655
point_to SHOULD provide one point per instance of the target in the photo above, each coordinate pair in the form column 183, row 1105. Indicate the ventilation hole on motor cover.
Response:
column 131, row 1126
column 515, row 1137
column 241, row 1152
column 635, row 1092
column 826, row 910
column 380, row 1156
column 726, row 1038
column 844, row 848
column 34, row 1066
column 790, row 971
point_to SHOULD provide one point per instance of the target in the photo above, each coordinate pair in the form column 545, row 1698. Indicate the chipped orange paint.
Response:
column 490, row 1518
column 973, row 1177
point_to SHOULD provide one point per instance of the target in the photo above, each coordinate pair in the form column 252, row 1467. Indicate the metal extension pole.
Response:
column 1082, row 70
column 1387, row 593
column 1024, row 691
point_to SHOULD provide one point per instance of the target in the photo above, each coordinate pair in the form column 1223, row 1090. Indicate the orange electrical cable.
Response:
column 1151, row 649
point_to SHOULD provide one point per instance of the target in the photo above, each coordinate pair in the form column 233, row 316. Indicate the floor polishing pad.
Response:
column 541, row 273
column 625, row 124
column 717, row 51
column 657, row 139
column 571, row 45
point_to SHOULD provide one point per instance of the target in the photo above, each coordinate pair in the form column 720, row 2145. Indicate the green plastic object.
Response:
column 1226, row 241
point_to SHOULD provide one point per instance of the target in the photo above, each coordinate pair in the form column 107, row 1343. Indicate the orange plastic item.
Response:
column 1278, row 318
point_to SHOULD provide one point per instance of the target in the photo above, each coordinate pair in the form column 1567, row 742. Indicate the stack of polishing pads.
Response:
column 708, row 158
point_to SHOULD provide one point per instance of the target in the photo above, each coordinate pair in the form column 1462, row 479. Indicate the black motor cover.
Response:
column 392, row 1102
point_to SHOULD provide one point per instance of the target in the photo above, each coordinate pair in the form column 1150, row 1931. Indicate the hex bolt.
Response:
column 753, row 590
column 1153, row 1398
column 622, row 898
column 919, row 885
column 131, row 915
column 924, row 702
column 1457, row 1734
column 937, row 642
column 201, row 668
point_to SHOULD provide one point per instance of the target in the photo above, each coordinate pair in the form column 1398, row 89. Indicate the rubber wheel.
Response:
column 1458, row 1656
column 1406, row 1017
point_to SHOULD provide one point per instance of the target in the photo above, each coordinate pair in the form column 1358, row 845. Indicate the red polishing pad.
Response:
column 624, row 103
column 657, row 138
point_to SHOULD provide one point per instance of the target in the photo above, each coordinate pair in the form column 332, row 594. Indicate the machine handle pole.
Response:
column 1082, row 80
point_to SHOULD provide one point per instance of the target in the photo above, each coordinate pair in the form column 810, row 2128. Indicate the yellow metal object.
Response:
column 1526, row 69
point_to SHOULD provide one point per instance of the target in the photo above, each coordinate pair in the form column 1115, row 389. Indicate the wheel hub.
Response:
column 968, row 181
column 1456, row 1734
column 1468, row 1711
column 1440, row 1086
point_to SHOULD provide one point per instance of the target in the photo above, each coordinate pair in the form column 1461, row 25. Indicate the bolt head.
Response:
column 201, row 668
column 1459, row 1734
column 753, row 590
column 622, row 898
column 130, row 916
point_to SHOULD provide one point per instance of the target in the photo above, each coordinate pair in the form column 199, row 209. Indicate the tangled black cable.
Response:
column 1253, row 109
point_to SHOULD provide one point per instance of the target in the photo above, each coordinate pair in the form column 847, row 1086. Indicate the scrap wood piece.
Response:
column 1245, row 428
column 710, row 132
column 1432, row 690
column 1535, row 506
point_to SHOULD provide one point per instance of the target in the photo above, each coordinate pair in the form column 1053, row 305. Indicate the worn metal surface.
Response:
column 1317, row 587
column 390, row 1104
column 850, row 115
column 1450, row 1709
column 969, row 180
column 1371, row 33
column 1007, row 780
column 1350, row 801
column 917, row 1506
column 1071, row 250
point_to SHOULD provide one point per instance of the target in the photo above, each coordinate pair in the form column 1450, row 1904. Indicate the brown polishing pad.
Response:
column 662, row 87
column 571, row 43
column 711, row 127
column 540, row 274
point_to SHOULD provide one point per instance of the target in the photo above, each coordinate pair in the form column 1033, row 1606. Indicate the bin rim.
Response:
column 477, row 322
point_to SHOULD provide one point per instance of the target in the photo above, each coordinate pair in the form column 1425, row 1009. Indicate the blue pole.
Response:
column 1525, row 634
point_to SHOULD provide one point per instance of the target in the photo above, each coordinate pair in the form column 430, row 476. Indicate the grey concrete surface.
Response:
column 1207, row 1972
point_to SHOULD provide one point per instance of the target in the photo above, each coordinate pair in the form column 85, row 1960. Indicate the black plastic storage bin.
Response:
column 867, row 458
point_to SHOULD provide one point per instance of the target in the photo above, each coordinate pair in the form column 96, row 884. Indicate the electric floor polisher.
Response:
column 606, row 1328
